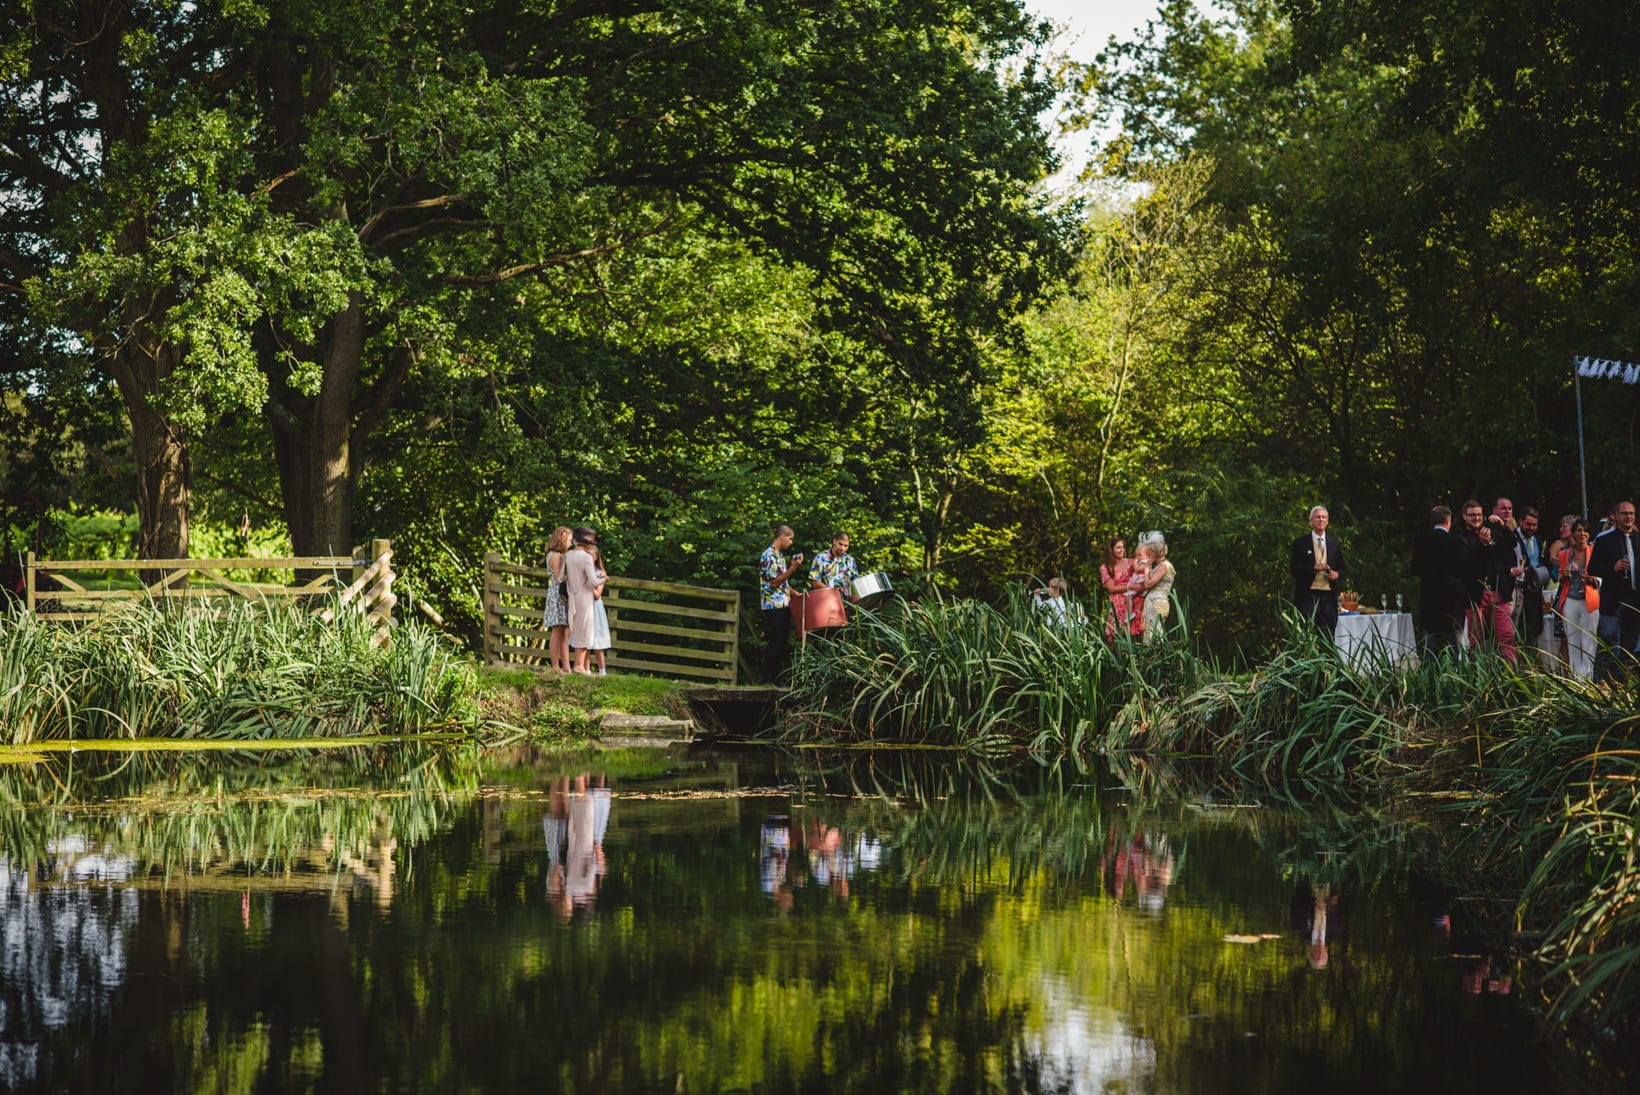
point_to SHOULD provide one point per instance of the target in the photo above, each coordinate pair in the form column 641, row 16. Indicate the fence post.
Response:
column 28, row 595
column 492, row 604
column 382, row 599
column 734, row 641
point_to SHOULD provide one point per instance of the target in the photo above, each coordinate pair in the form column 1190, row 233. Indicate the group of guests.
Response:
column 574, row 616
column 1495, row 580
column 833, row 568
column 1574, row 598
column 1138, row 587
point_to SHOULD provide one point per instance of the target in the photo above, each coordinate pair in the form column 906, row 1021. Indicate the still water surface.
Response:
column 749, row 922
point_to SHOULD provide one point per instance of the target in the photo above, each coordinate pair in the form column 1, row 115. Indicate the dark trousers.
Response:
column 1615, row 654
column 777, row 640
column 1441, row 640
column 1321, row 607
column 1531, row 617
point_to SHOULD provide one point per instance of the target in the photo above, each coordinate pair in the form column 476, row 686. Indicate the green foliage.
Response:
column 961, row 673
column 240, row 671
column 400, row 238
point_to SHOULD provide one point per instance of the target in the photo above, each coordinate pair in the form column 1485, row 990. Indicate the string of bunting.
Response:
column 1604, row 368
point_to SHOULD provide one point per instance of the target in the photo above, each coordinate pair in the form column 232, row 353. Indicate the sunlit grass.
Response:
column 238, row 672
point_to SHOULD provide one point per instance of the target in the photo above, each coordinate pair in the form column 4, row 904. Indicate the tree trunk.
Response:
column 164, row 471
column 314, row 442
column 331, row 468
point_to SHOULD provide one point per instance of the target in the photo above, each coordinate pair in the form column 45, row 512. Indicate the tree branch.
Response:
column 370, row 226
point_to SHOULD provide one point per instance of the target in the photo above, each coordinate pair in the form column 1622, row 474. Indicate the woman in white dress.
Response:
column 600, row 616
column 580, row 578
column 555, row 614
column 1158, row 583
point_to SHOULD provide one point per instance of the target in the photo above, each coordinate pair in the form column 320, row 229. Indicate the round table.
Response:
column 1385, row 638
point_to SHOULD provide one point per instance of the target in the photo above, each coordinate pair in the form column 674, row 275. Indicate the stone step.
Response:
column 615, row 728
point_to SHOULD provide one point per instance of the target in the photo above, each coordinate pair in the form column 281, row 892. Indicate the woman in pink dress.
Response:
column 1116, row 575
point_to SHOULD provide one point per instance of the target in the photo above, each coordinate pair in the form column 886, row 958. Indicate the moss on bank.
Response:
column 559, row 709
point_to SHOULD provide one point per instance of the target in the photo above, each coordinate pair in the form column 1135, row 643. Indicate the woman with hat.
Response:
column 581, row 579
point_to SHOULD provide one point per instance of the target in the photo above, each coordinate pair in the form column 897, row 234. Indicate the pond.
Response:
column 434, row 919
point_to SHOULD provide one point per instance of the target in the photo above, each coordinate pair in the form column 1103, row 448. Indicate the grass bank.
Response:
column 1534, row 778
column 563, row 709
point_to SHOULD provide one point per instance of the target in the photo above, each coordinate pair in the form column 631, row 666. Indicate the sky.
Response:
column 1092, row 22
column 1088, row 26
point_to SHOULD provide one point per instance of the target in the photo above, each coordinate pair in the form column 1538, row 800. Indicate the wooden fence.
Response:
column 362, row 581
column 688, row 632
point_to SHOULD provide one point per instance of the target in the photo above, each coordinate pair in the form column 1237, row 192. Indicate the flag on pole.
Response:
column 1604, row 368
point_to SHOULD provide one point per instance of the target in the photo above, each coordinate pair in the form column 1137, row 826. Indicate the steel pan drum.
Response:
column 868, row 589
column 818, row 608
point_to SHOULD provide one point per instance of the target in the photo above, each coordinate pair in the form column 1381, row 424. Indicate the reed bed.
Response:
column 237, row 672
column 967, row 674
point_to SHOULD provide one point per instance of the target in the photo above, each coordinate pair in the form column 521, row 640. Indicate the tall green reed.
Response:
column 974, row 676
column 234, row 672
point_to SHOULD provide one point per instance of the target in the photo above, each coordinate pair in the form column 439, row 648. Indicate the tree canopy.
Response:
column 457, row 274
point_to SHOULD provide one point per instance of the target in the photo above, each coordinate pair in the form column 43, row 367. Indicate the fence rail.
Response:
column 689, row 632
column 362, row 581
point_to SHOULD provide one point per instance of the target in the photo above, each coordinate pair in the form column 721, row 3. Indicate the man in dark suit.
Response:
column 1471, row 554
column 1317, row 564
column 1438, row 562
column 1492, row 619
column 1613, row 558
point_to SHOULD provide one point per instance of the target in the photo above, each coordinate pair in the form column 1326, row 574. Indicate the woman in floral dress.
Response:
column 555, row 614
column 1115, row 575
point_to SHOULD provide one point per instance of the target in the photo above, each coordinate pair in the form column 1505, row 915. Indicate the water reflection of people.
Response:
column 1145, row 862
column 1487, row 971
column 775, row 860
column 1315, row 908
column 577, row 818
column 831, row 860
column 831, row 856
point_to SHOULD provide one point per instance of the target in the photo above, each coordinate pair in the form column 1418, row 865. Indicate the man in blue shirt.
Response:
column 774, row 596
column 836, row 568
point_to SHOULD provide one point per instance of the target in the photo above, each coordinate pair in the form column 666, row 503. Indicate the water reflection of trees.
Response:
column 62, row 957
column 983, row 943
column 232, row 822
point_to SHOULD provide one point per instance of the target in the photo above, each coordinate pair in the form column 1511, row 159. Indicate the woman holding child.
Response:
column 1153, row 580
column 1116, row 575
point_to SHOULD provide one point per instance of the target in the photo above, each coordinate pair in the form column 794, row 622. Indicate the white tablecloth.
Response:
column 1385, row 637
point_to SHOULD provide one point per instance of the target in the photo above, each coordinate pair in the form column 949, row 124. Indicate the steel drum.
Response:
column 868, row 589
column 818, row 608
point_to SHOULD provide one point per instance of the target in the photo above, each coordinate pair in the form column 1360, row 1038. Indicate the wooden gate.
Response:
column 362, row 581
column 687, row 632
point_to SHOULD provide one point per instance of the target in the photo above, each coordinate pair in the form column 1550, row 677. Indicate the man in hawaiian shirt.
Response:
column 776, row 599
column 836, row 568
